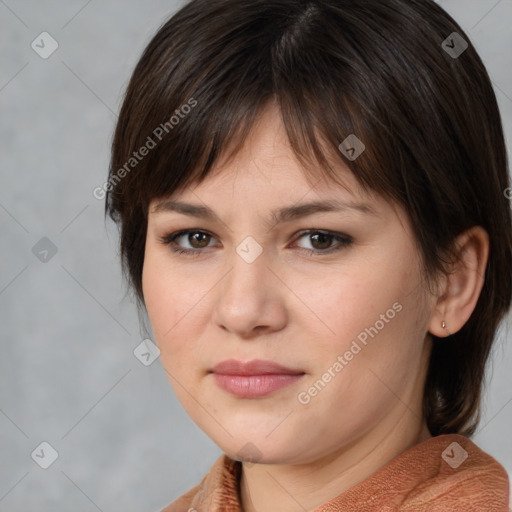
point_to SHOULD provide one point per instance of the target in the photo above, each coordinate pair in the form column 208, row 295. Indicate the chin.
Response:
column 260, row 451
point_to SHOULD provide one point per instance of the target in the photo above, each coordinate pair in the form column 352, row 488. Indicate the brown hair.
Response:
column 378, row 69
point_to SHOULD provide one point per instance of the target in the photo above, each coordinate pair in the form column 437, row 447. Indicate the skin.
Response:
column 302, row 311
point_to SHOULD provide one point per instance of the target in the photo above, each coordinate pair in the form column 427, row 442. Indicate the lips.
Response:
column 254, row 379
column 254, row 367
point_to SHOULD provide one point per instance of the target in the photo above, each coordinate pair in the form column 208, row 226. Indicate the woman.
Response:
column 334, row 376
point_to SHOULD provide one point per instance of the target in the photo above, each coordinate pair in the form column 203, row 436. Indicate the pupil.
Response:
column 199, row 235
column 326, row 237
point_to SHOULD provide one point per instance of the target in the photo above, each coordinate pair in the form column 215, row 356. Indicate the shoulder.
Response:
column 459, row 474
column 218, row 486
column 447, row 473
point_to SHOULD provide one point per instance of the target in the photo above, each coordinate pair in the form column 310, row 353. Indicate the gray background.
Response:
column 68, row 373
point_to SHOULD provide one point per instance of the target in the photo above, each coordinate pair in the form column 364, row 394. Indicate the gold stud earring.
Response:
column 443, row 325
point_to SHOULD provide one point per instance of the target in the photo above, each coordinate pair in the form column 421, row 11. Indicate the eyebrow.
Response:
column 277, row 216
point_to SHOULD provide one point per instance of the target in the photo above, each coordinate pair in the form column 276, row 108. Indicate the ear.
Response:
column 461, row 288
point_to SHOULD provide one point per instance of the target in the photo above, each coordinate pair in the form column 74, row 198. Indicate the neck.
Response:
column 307, row 486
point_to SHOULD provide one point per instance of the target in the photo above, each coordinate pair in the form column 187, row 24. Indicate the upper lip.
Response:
column 254, row 367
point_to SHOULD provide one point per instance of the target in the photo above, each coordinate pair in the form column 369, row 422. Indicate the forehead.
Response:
column 266, row 165
column 264, row 179
column 276, row 191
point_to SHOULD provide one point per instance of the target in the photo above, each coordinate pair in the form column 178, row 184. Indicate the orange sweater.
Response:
column 433, row 476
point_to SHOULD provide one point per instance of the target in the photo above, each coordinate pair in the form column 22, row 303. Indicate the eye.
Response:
column 198, row 240
column 322, row 241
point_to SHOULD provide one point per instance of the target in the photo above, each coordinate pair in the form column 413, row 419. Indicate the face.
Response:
column 335, row 296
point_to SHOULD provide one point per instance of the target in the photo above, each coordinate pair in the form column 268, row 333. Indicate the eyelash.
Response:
column 344, row 241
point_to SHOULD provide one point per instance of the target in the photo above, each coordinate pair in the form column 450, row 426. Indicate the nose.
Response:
column 250, row 298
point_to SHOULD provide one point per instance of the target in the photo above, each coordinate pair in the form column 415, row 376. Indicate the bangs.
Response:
column 237, row 84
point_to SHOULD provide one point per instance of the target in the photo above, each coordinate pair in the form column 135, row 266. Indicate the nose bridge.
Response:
column 248, row 275
column 246, row 293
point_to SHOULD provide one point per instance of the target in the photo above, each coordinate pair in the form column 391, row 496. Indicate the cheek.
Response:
column 174, row 304
column 371, row 366
column 170, row 308
column 338, row 309
column 163, row 300
column 374, row 318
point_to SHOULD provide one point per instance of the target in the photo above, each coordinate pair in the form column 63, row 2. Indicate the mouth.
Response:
column 253, row 379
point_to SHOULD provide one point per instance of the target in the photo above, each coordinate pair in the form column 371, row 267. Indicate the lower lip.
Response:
column 253, row 386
